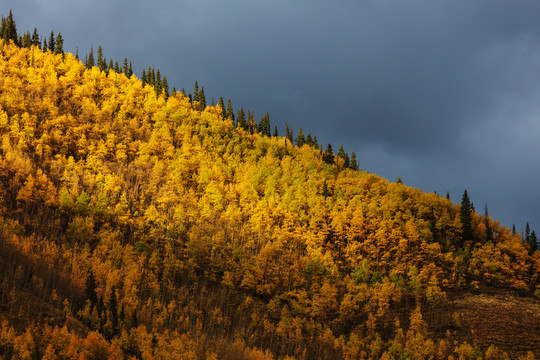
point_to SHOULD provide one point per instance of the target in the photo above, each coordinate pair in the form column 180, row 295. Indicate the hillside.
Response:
column 144, row 226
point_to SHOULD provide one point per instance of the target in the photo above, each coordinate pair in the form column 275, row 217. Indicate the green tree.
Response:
column 354, row 163
column 241, row 119
column 52, row 42
column 264, row 125
column 8, row 30
column 328, row 154
column 300, row 139
column 101, row 62
column 35, row 38
column 221, row 104
column 90, row 60
column 202, row 98
column 230, row 112
column 59, row 45
column 275, row 134
column 196, row 91
column 165, row 86
column 465, row 215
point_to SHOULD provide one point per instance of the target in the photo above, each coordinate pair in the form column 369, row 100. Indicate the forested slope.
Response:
column 137, row 225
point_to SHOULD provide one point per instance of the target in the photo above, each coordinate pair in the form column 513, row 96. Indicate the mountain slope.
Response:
column 158, row 227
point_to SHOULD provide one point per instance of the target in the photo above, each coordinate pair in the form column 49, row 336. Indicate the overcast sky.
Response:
column 445, row 94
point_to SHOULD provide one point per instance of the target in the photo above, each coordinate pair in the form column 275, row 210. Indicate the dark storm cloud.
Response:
column 443, row 93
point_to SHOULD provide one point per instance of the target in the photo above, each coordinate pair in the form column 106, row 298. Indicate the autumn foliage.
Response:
column 134, row 225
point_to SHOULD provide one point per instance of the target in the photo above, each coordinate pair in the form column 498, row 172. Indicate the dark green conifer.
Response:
column 165, row 86
column 111, row 65
column 328, row 154
column 90, row 60
column 143, row 77
column 59, row 45
column 117, row 68
column 221, row 104
column 125, row 67
column 230, row 111
column 275, row 134
column 52, row 43
column 202, row 99
column 465, row 214
column 35, row 38
column 354, row 162
column 130, row 69
column 196, row 91
column 300, row 139
column 489, row 232
column 241, row 122
column 158, row 85
column 45, row 46
column 101, row 62
column 341, row 152
column 533, row 242
column 264, row 125
column 309, row 139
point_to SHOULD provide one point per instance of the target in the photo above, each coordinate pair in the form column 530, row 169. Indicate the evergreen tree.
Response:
column 221, row 104
column 533, row 242
column 45, row 46
column 252, row 126
column 465, row 215
column 157, row 85
column 513, row 229
column 202, row 99
column 143, row 77
column 8, row 29
column 300, row 139
column 328, row 154
column 489, row 232
column 341, row 152
column 309, row 140
column 26, row 40
column 52, row 43
column 196, row 91
column 354, row 163
column 59, row 45
column 111, row 65
column 527, row 237
column 230, row 112
column 399, row 180
column 289, row 133
column 90, row 60
column 35, row 38
column 117, row 68
column 165, row 86
column 101, row 62
column 130, row 69
column 264, row 125
column 125, row 67
column 241, row 122
column 275, row 134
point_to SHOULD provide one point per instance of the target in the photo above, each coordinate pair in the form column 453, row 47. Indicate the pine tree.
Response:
column 399, row 180
column 354, row 162
column 466, row 218
column 157, row 85
column 489, row 232
column 230, row 112
column 341, row 152
column 125, row 66
column 533, row 242
column 35, row 38
column 300, row 139
column 309, row 139
column 111, row 65
column 264, row 125
column 130, row 70
column 143, row 77
column 527, row 233
column 59, row 45
column 221, row 104
column 241, row 122
column 52, row 43
column 45, row 46
column 196, row 91
column 101, row 62
column 328, row 154
column 275, row 134
column 202, row 99
column 289, row 133
column 8, row 30
column 90, row 60
column 165, row 86
column 117, row 68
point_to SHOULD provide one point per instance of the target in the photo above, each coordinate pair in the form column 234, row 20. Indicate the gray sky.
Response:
column 443, row 93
